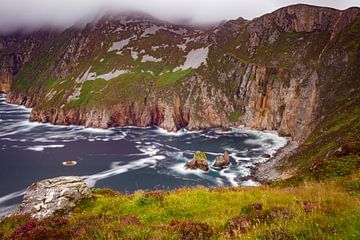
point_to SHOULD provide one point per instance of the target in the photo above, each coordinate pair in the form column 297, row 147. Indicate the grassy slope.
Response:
column 327, row 210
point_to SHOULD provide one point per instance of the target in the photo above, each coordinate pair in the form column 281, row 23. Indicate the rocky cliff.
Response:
column 283, row 71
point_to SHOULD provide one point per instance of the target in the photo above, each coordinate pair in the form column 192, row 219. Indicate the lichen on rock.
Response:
column 57, row 195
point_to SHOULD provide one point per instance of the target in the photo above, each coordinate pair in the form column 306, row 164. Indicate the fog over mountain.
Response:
column 30, row 14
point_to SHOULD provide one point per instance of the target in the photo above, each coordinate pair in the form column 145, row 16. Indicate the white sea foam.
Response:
column 250, row 183
column 10, row 196
column 97, row 130
column 230, row 176
column 40, row 148
column 5, row 211
column 179, row 133
column 119, row 169
column 270, row 141
column 179, row 168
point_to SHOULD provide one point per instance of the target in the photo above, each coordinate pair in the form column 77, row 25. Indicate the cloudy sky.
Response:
column 64, row 13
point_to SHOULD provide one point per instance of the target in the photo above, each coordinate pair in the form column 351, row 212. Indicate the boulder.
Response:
column 348, row 148
column 57, row 195
column 199, row 161
column 222, row 161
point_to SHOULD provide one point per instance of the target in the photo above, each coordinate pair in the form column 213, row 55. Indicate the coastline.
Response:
column 269, row 171
column 261, row 172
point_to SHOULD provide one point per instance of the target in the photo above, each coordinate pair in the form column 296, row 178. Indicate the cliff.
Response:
column 274, row 72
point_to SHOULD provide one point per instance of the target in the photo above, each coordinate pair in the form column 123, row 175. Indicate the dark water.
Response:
column 124, row 159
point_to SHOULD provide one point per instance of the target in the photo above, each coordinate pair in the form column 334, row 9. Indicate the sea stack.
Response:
column 199, row 161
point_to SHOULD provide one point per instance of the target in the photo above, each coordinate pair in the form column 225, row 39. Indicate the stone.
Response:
column 348, row 148
column 199, row 161
column 222, row 161
column 57, row 195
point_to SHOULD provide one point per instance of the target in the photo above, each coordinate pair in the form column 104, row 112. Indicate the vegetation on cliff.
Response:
column 275, row 72
column 333, row 148
column 272, row 72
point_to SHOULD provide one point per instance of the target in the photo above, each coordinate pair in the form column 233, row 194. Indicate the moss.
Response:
column 170, row 78
column 291, row 48
column 36, row 71
column 334, row 167
column 234, row 116
column 90, row 91
column 200, row 155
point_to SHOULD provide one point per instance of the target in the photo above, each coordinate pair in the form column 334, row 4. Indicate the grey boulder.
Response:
column 56, row 195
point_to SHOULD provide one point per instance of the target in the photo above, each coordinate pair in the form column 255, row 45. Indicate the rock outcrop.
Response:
column 199, row 161
column 222, row 161
column 51, row 196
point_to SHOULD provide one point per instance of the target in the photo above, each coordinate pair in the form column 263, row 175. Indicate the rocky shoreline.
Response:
column 269, row 171
column 264, row 172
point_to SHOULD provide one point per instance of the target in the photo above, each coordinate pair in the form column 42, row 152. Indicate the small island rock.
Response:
column 199, row 161
column 47, row 197
column 265, row 155
column 222, row 161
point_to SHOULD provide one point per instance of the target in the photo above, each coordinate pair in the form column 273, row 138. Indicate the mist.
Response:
column 33, row 14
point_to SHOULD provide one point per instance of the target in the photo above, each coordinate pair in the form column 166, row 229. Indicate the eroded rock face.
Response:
column 198, row 162
column 222, row 161
column 57, row 195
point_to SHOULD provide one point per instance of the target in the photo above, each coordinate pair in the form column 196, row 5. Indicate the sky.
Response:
column 16, row 14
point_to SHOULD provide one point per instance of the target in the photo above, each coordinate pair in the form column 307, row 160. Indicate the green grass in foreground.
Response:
column 322, row 210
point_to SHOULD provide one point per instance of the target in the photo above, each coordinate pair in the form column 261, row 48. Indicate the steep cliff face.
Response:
column 268, row 73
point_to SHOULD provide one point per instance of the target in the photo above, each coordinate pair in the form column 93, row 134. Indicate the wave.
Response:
column 8, row 210
column 40, row 148
column 119, row 169
column 179, row 133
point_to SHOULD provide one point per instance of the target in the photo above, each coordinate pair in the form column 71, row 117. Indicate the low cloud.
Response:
column 31, row 14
